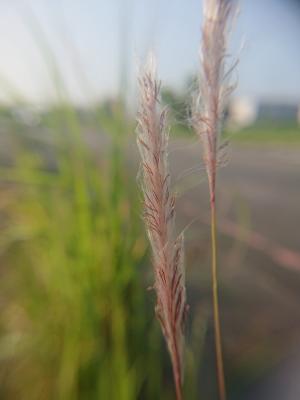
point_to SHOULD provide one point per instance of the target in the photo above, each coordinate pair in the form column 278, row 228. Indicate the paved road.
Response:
column 259, row 189
column 265, row 180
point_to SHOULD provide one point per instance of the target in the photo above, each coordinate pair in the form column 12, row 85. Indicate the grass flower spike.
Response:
column 214, row 87
column 207, row 116
column 159, row 216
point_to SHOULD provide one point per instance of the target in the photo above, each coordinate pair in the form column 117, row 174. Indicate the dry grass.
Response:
column 159, row 216
column 207, row 115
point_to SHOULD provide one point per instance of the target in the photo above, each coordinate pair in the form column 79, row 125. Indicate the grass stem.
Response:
column 216, row 311
column 177, row 374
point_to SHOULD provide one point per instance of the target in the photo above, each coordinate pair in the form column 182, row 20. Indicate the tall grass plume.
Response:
column 207, row 114
column 159, row 216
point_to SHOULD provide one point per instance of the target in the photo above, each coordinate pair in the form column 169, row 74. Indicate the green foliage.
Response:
column 269, row 133
column 75, row 321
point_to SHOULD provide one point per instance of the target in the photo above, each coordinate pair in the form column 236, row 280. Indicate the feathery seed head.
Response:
column 159, row 217
column 214, row 87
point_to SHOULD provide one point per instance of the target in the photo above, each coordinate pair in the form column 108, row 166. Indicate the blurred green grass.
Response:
column 260, row 133
column 268, row 132
column 75, row 322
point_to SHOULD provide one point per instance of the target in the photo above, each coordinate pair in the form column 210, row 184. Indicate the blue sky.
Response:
column 90, row 37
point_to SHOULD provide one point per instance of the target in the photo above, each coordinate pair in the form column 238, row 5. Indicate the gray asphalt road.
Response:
column 265, row 180
column 259, row 189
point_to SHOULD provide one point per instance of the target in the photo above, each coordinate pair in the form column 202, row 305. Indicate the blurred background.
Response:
column 77, row 321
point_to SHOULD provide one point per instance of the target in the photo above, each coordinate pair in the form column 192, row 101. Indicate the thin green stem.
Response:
column 216, row 313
